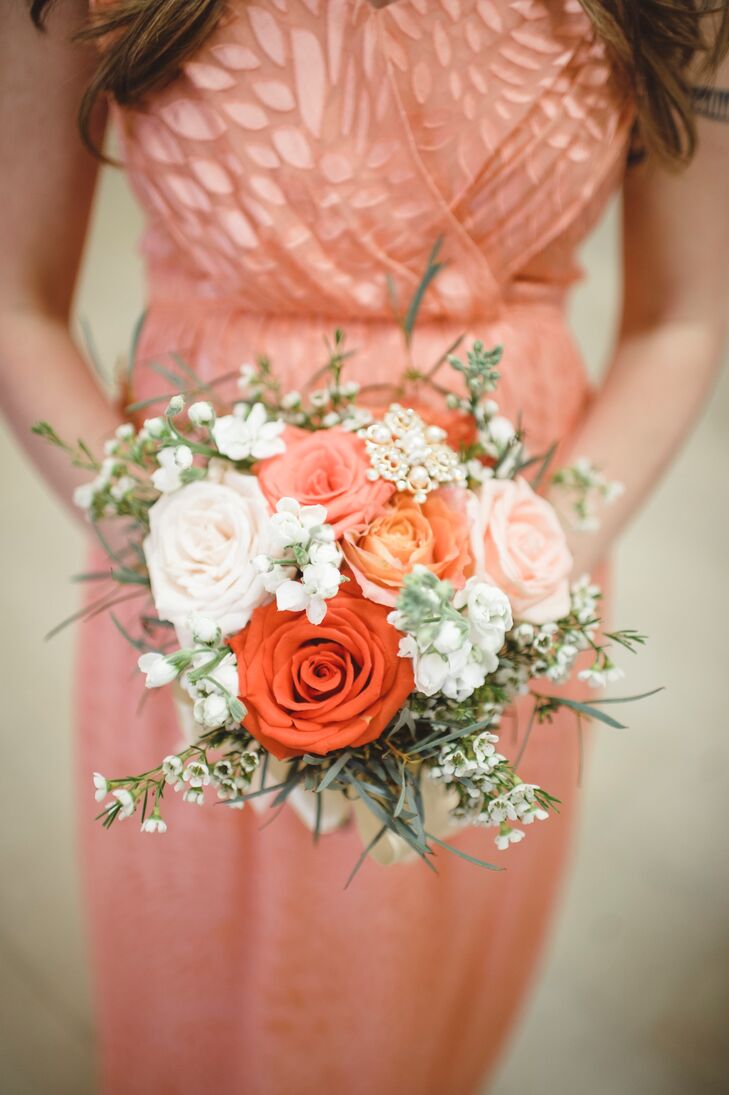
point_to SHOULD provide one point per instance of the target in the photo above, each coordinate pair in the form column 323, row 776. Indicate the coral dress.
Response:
column 311, row 148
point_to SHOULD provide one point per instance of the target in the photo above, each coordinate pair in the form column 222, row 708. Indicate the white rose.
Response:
column 201, row 548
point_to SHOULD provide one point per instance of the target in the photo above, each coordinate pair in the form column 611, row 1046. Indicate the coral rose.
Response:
column 519, row 545
column 316, row 688
column 434, row 534
column 329, row 468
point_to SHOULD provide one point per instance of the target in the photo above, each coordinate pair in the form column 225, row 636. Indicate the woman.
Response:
column 289, row 154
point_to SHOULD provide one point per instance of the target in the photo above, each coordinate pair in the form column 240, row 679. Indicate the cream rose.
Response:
column 519, row 545
column 200, row 551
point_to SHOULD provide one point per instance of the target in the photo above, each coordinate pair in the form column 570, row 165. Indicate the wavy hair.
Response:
column 662, row 46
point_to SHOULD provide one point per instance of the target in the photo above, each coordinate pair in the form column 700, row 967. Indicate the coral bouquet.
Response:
column 346, row 601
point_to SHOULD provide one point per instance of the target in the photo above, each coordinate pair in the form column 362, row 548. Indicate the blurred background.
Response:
column 633, row 996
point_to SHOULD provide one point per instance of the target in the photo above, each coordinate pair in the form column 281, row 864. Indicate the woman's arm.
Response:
column 46, row 187
column 672, row 335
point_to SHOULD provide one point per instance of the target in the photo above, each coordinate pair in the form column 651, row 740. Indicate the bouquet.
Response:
column 347, row 600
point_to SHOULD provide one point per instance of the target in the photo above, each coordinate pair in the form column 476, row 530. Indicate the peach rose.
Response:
column 328, row 468
column 434, row 534
column 316, row 688
column 519, row 545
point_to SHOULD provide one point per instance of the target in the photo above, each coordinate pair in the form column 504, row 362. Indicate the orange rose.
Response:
column 316, row 688
column 328, row 468
column 434, row 534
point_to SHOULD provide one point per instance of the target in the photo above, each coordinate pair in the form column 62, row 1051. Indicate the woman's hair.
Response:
column 661, row 44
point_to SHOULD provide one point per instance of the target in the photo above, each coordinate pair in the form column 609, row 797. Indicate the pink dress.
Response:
column 310, row 149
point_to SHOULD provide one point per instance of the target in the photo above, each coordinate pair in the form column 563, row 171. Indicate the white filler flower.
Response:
column 242, row 437
column 172, row 461
column 158, row 669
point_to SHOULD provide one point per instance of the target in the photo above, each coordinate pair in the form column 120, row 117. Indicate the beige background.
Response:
column 634, row 997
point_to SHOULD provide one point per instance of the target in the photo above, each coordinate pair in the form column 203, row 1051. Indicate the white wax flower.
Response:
column 510, row 836
column 172, row 768
column 154, row 824
column 101, row 787
column 197, row 774
column 242, row 437
column 200, row 551
column 158, row 669
column 126, row 802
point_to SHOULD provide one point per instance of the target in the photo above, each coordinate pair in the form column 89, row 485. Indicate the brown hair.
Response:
column 660, row 44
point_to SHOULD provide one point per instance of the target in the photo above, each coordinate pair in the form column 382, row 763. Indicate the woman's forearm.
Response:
column 652, row 394
column 44, row 376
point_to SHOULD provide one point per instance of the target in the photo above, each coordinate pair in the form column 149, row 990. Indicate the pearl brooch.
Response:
column 412, row 455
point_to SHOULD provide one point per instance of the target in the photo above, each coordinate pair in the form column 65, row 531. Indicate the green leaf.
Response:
column 134, row 344
column 392, row 294
column 589, row 710
column 333, row 772
column 365, row 852
column 628, row 699
column 463, row 855
column 129, row 577
column 172, row 377
column 432, row 269
column 91, row 348
column 546, row 460
column 138, row 644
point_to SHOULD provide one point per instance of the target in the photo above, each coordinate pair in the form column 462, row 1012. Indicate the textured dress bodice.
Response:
column 314, row 147
column 309, row 156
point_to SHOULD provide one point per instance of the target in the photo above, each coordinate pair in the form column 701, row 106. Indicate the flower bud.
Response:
column 201, row 413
